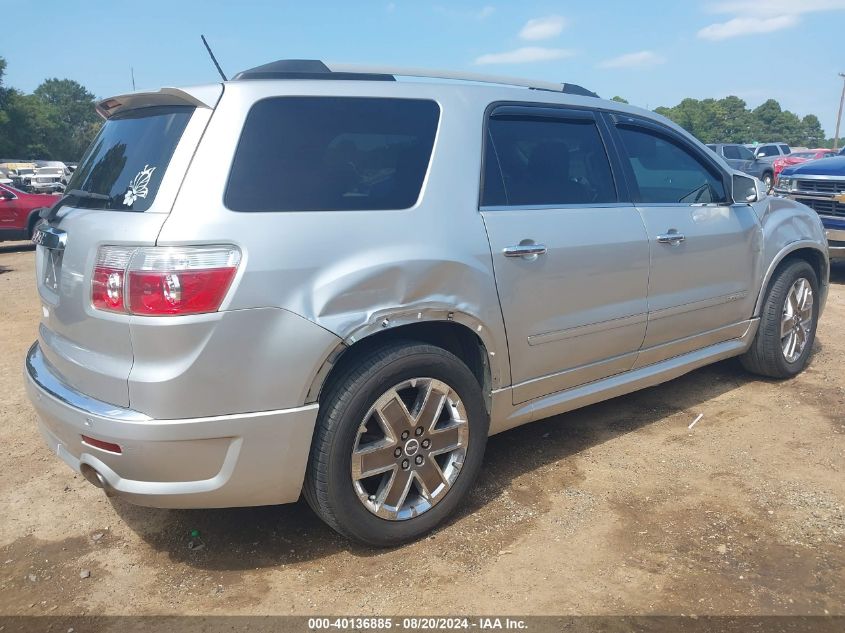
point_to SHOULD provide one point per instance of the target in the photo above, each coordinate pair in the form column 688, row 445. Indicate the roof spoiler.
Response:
column 199, row 97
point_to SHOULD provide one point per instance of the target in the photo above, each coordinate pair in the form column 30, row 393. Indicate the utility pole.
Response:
column 839, row 116
column 132, row 71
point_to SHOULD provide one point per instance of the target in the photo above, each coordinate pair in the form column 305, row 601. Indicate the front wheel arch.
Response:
column 807, row 251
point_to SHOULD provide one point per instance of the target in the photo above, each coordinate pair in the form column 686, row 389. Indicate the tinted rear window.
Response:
column 128, row 158
column 332, row 154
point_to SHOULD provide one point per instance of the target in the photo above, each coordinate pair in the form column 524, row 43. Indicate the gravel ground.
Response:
column 618, row 508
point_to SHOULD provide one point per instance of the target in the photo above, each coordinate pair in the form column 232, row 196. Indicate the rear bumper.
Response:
column 233, row 460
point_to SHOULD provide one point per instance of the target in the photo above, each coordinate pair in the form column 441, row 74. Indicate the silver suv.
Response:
column 326, row 282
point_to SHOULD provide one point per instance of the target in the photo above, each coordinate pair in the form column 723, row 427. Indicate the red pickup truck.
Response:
column 19, row 212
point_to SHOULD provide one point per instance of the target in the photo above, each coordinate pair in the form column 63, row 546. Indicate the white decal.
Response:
column 138, row 186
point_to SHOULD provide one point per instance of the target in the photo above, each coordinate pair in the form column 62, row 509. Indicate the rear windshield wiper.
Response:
column 49, row 213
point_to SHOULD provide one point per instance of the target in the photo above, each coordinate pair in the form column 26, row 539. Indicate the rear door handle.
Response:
column 672, row 237
column 525, row 250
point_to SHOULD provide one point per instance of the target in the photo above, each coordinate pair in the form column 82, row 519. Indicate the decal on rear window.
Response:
column 138, row 187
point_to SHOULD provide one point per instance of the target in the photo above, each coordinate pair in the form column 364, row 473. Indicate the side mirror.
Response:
column 747, row 190
column 759, row 155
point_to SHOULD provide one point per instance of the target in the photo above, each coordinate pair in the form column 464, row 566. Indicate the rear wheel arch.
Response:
column 454, row 337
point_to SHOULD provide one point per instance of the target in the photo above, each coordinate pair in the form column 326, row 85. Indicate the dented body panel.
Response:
column 356, row 273
column 226, row 388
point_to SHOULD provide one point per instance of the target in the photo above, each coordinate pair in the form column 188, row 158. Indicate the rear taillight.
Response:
column 162, row 281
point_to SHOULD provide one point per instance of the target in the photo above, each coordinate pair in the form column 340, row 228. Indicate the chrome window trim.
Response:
column 691, row 205
column 546, row 207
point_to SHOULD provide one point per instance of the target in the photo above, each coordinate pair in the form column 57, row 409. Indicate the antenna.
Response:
column 132, row 72
column 213, row 58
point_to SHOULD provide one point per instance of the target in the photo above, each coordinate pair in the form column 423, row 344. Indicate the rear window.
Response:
column 332, row 154
column 127, row 160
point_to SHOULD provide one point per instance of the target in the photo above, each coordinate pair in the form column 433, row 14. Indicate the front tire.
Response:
column 788, row 323
column 399, row 441
column 768, row 181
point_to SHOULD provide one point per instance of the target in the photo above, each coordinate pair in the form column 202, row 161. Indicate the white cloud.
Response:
column 748, row 16
column 641, row 59
column 525, row 55
column 486, row 12
column 542, row 28
column 775, row 7
column 743, row 26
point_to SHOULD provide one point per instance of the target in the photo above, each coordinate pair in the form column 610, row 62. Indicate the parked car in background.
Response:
column 55, row 167
column 741, row 158
column 820, row 184
column 842, row 152
column 769, row 152
column 20, row 173
column 355, row 332
column 46, row 180
column 19, row 212
column 5, row 177
column 796, row 158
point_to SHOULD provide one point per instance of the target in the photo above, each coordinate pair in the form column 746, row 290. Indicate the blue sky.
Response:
column 650, row 52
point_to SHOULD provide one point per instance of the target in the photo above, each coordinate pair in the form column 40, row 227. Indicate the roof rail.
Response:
column 315, row 69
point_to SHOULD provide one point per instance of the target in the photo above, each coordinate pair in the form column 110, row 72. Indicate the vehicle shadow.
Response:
column 251, row 538
column 16, row 247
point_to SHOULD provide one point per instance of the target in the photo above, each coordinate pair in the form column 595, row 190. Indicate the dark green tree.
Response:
column 813, row 132
column 728, row 120
column 28, row 128
column 736, row 120
column 76, row 120
column 619, row 99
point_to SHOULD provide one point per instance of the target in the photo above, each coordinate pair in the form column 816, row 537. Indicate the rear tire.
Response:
column 363, row 408
column 787, row 330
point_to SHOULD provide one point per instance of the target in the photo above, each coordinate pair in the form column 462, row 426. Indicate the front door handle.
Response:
column 525, row 250
column 672, row 237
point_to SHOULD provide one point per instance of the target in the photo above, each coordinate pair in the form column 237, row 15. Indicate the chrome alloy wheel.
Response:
column 410, row 449
column 797, row 320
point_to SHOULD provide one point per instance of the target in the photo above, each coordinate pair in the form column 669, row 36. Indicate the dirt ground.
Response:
column 618, row 508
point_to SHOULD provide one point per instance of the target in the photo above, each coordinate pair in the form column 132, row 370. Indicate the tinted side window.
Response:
column 768, row 150
column 785, row 149
column 744, row 153
column 549, row 162
column 668, row 173
column 332, row 153
column 731, row 151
